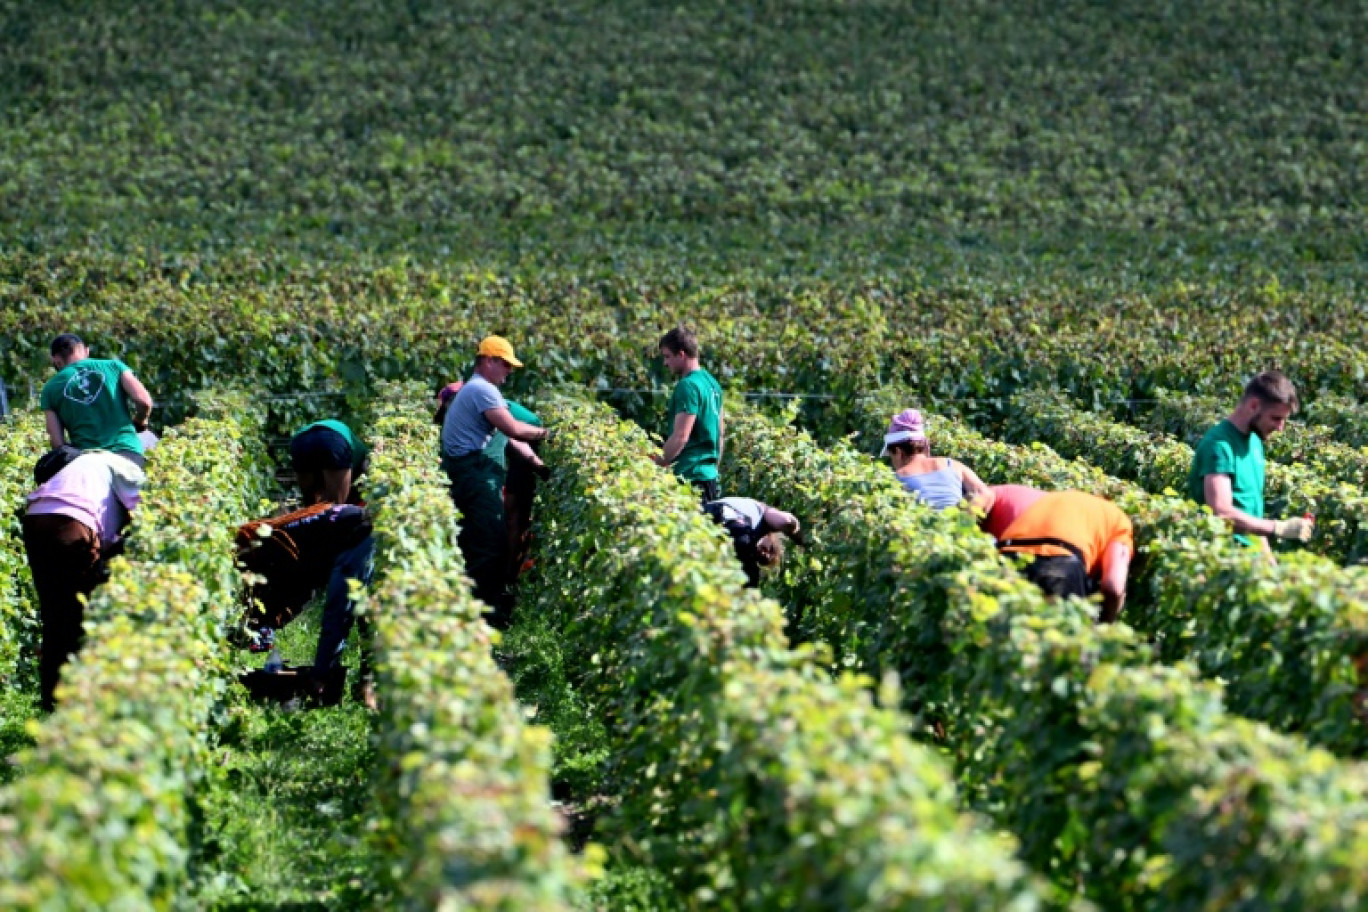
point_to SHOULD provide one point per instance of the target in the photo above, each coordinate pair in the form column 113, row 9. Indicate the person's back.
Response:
column 327, row 458
column 93, row 408
column 96, row 492
column 1225, row 450
column 71, row 524
column 296, row 557
column 933, row 481
column 358, row 448
column 1009, row 502
column 1081, row 544
column 1060, row 519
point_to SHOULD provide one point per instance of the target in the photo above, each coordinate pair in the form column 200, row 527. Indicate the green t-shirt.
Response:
column 1225, row 451
column 358, row 448
column 700, row 395
column 497, row 448
column 93, row 408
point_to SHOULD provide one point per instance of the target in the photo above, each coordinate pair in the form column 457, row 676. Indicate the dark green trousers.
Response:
column 477, row 490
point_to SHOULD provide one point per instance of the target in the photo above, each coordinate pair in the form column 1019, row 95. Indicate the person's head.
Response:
column 444, row 397
column 756, row 552
column 67, row 349
column 679, row 350
column 1269, row 400
column 495, row 359
column 906, row 438
column 769, row 550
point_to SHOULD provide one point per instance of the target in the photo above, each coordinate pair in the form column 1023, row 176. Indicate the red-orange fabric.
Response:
column 1090, row 523
column 1009, row 502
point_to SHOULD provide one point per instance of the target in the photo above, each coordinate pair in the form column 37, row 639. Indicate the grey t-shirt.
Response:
column 746, row 509
column 466, row 429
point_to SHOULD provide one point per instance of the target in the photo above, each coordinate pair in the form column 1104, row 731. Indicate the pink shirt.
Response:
column 84, row 491
column 1009, row 502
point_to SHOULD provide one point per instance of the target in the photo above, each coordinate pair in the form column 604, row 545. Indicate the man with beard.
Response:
column 1228, row 465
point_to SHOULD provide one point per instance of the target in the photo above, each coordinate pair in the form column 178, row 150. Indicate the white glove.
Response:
column 1300, row 529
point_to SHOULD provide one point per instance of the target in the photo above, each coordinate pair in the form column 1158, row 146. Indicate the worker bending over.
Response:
column 327, row 458
column 325, row 546
column 72, row 526
column 755, row 530
column 1081, row 544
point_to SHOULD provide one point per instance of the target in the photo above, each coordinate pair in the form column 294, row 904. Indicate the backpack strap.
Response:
column 1010, row 544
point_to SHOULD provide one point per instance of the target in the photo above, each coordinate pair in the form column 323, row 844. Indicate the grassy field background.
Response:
column 1116, row 140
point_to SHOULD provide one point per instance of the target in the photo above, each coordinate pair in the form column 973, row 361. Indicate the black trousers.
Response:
column 64, row 557
column 709, row 490
column 1060, row 576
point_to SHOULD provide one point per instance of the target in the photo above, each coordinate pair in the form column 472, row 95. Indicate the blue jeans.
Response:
column 339, row 609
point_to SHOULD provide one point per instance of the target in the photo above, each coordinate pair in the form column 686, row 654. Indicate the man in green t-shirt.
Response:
column 1228, row 465
column 89, row 401
column 696, row 430
column 327, row 457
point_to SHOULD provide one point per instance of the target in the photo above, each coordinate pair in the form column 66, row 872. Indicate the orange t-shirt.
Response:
column 1089, row 523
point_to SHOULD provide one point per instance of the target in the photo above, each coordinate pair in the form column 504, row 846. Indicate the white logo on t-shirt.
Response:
column 84, row 386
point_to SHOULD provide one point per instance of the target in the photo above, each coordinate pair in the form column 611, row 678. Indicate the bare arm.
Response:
column 1115, row 567
column 979, row 495
column 54, row 428
column 780, row 521
column 1217, row 491
column 683, row 427
column 721, row 435
column 139, row 396
column 503, row 419
column 525, row 451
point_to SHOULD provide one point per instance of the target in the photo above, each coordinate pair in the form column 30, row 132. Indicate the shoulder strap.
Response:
column 1009, row 544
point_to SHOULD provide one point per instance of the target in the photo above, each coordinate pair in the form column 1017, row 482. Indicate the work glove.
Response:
column 1299, row 529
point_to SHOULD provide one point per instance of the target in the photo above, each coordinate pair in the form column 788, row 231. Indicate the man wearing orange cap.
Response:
column 476, row 413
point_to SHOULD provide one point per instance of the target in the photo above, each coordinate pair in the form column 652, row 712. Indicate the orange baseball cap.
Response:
column 498, row 347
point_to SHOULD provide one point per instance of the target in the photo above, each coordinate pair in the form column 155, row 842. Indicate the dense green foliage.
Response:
column 100, row 818
column 22, row 439
column 623, row 131
column 1121, row 777
column 463, row 780
column 1347, row 418
column 746, row 774
column 962, row 199
column 1286, row 639
column 286, row 806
